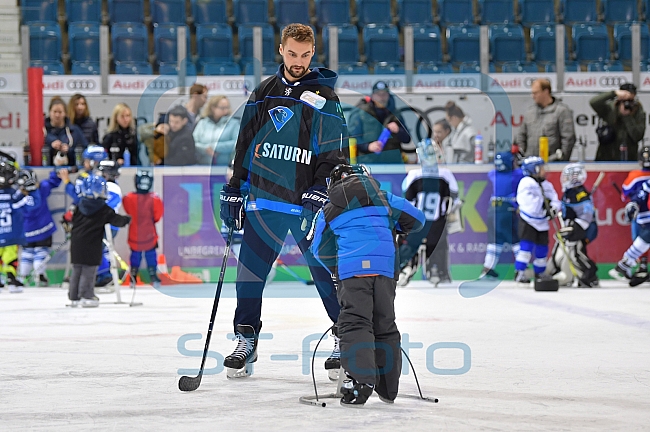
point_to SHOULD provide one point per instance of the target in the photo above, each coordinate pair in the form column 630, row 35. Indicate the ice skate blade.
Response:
column 244, row 372
column 333, row 374
column 349, row 405
column 616, row 275
column 384, row 400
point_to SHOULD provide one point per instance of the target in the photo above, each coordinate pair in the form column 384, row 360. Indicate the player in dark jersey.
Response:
column 292, row 134
column 433, row 190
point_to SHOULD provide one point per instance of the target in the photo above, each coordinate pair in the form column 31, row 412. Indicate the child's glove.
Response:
column 232, row 207
column 312, row 201
column 631, row 210
column 551, row 211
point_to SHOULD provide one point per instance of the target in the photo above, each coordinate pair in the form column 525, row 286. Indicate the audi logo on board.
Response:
column 81, row 84
column 461, row 82
column 394, row 83
column 162, row 84
column 236, row 85
column 3, row 82
column 612, row 81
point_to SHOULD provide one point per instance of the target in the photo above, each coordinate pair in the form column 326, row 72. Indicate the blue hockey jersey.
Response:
column 641, row 198
column 12, row 205
column 504, row 184
column 38, row 223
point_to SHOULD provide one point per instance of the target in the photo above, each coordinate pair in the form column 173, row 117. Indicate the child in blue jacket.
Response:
column 354, row 237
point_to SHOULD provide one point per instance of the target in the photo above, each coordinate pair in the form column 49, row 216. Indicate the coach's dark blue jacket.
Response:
column 355, row 233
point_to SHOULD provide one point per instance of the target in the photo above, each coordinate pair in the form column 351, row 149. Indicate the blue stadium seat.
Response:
column 165, row 41
column 268, row 68
column 84, row 11
column 623, row 11
column 426, row 44
column 251, row 11
column 373, row 12
column 353, row 69
column 85, row 68
column 53, row 67
column 507, row 43
column 42, row 11
column 172, row 69
column 455, row 12
column 475, row 67
column 623, row 38
column 214, row 43
column 435, row 68
column 348, row 43
column 497, row 11
column 221, row 68
column 130, row 42
column 168, row 12
column 44, row 42
column 209, row 12
column 615, row 66
column 291, row 11
column 381, row 43
column 568, row 67
column 591, row 42
column 83, row 42
column 332, row 12
column 579, row 11
column 519, row 67
column 133, row 68
column 389, row 68
column 414, row 12
column 269, row 49
column 536, row 12
column 463, row 43
column 122, row 11
column 542, row 40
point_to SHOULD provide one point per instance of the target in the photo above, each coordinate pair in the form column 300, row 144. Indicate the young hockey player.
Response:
column 354, row 237
column 92, row 156
column 110, row 170
column 538, row 203
column 631, row 186
column 636, row 210
column 579, row 229
column 146, row 208
column 13, row 202
column 38, row 223
column 88, row 222
column 433, row 190
column 293, row 133
column 502, row 214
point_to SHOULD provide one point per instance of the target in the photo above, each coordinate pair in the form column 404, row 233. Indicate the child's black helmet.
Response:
column 143, row 180
column 109, row 169
column 342, row 171
column 27, row 179
column 8, row 173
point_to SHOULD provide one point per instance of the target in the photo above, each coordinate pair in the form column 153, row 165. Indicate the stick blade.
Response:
column 186, row 383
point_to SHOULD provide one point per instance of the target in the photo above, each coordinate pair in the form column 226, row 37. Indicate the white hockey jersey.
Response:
column 531, row 202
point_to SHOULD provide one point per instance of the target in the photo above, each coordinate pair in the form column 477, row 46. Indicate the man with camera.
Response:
column 625, row 124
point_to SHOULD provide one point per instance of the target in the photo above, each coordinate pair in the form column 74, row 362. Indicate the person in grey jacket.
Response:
column 550, row 118
column 621, row 110
column 461, row 141
column 215, row 135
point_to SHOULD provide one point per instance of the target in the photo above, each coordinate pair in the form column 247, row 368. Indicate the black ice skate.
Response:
column 15, row 286
column 43, row 281
column 333, row 363
column 641, row 274
column 621, row 272
column 155, row 280
column 355, row 394
column 488, row 274
column 239, row 363
column 522, row 278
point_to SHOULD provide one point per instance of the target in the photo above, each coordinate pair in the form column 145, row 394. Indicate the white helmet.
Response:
column 573, row 175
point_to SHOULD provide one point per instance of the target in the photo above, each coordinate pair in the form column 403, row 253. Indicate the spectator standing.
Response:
column 374, row 114
column 79, row 115
column 61, row 137
column 179, row 142
column 622, row 111
column 121, row 135
column 461, row 141
column 550, row 118
column 215, row 134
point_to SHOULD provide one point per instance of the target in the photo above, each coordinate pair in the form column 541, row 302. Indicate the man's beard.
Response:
column 299, row 75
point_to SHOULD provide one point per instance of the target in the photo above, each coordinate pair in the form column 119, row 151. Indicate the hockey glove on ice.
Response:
column 312, row 201
column 232, row 207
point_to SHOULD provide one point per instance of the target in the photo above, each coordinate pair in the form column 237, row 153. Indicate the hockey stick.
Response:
column 600, row 178
column 559, row 237
column 618, row 189
column 187, row 383
column 295, row 275
column 46, row 260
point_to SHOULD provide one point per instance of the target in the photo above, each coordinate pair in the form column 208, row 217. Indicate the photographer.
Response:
column 625, row 120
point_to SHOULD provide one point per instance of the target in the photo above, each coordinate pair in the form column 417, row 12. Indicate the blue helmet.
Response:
column 143, row 180
column 94, row 187
column 95, row 154
column 532, row 165
column 504, row 161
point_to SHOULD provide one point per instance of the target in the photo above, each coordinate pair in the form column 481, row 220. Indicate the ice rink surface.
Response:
column 513, row 359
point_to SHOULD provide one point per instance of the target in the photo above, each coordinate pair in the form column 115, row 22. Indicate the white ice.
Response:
column 577, row 359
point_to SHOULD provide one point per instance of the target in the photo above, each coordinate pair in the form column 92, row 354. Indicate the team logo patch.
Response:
column 311, row 98
column 280, row 116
